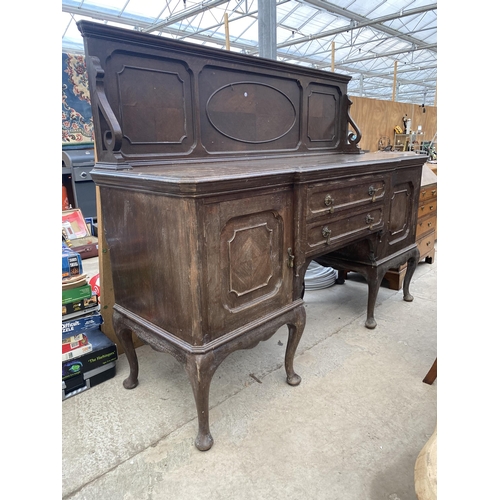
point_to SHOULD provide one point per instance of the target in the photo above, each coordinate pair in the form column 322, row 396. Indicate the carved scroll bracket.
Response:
column 110, row 139
column 353, row 138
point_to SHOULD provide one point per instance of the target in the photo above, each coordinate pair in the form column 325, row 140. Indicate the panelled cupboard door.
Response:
column 403, row 208
column 246, row 260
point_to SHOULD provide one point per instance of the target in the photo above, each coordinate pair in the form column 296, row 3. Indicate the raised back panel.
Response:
column 156, row 99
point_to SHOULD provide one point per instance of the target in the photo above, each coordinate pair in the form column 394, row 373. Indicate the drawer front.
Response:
column 427, row 208
column 329, row 198
column 426, row 244
column 428, row 192
column 334, row 233
column 426, row 225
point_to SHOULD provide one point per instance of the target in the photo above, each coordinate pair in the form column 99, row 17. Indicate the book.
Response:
column 74, row 294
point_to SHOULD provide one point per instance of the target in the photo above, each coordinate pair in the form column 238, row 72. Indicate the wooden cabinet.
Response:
column 426, row 231
column 221, row 177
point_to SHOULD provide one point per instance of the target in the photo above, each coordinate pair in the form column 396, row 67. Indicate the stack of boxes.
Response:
column 88, row 356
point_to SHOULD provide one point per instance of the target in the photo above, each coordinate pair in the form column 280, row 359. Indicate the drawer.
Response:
column 427, row 208
column 337, row 232
column 329, row 198
column 425, row 225
column 426, row 244
column 428, row 192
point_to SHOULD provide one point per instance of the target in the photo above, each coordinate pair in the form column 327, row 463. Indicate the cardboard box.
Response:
column 80, row 307
column 80, row 324
column 71, row 263
column 76, row 294
column 77, row 352
column 76, row 385
column 71, row 342
column 103, row 352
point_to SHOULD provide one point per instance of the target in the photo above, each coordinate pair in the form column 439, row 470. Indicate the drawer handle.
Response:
column 434, row 192
column 423, row 193
column 431, row 207
column 369, row 220
column 326, row 234
column 372, row 192
column 329, row 202
column 428, row 243
column 429, row 224
column 291, row 258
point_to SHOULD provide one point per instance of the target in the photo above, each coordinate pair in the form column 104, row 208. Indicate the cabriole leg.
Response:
column 200, row 370
column 295, row 331
column 124, row 335
column 410, row 269
column 374, row 280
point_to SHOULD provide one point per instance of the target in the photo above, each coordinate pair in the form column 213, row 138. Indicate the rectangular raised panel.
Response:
column 251, row 251
column 331, row 197
column 323, row 111
column 154, row 104
column 247, row 259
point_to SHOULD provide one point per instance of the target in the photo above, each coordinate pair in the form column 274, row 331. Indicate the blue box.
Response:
column 78, row 325
column 71, row 263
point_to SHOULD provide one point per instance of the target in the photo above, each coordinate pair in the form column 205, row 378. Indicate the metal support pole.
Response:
column 267, row 28
column 395, row 79
column 226, row 29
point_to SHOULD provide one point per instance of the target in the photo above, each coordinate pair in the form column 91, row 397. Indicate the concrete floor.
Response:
column 351, row 430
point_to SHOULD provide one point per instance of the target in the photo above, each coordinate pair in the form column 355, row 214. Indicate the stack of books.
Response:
column 88, row 356
column 77, row 296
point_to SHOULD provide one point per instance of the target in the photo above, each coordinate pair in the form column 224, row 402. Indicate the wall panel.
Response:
column 377, row 118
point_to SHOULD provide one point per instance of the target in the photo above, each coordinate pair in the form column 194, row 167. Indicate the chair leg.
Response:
column 431, row 374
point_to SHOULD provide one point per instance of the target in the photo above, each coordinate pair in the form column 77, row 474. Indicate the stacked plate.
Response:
column 318, row 277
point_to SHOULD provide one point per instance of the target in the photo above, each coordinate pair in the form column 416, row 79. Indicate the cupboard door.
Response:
column 403, row 205
column 247, row 258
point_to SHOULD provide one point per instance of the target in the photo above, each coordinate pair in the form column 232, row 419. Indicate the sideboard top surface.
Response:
column 203, row 177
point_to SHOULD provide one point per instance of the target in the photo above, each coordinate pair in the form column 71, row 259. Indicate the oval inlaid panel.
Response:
column 251, row 112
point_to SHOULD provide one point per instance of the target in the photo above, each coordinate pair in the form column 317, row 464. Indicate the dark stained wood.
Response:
column 431, row 374
column 221, row 177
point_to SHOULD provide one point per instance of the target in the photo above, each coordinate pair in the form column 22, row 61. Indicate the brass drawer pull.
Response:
column 372, row 192
column 431, row 207
column 369, row 220
column 326, row 234
column 329, row 202
column 434, row 191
